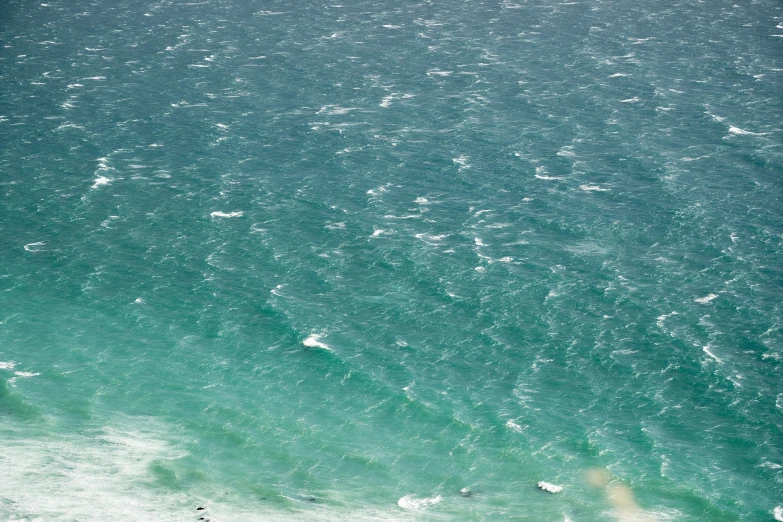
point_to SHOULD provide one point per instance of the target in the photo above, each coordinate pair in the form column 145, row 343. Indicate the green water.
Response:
column 390, row 262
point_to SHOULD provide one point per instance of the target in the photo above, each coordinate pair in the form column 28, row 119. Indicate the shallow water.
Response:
column 393, row 262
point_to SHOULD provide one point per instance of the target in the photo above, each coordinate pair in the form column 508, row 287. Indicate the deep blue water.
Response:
column 391, row 261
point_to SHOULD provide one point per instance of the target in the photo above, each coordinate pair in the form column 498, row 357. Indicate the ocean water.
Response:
column 391, row 260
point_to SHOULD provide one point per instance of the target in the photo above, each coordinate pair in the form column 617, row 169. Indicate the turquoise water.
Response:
column 319, row 261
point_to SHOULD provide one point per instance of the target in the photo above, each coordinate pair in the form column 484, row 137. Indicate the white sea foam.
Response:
column 335, row 226
column 33, row 247
column 548, row 487
column 547, row 178
column 335, row 110
column 462, row 161
column 378, row 231
column 97, row 478
column 706, row 299
column 219, row 214
column 662, row 318
column 593, row 188
column 514, row 426
column 408, row 216
column 26, row 374
column 377, row 191
column 386, row 101
column 706, row 350
column 100, row 181
column 426, row 237
column 7, row 365
column 421, row 201
column 478, row 241
column 313, row 342
column 410, row 502
column 630, row 100
column 737, row 130
column 778, row 513
column 619, row 75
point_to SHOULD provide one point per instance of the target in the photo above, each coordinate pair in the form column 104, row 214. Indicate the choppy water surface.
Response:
column 389, row 261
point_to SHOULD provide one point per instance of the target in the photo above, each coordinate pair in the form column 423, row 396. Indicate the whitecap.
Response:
column 619, row 75
column 706, row 350
column 426, row 237
column 378, row 231
column 409, row 216
column 514, row 426
column 706, row 299
column 778, row 513
column 220, row 214
column 101, row 180
column 313, row 342
column 547, row 178
column 737, row 130
column 409, row 502
column 335, row 110
column 26, row 374
column 377, row 191
column 7, row 365
column 549, row 488
column 462, row 161
column 478, row 241
column 593, row 188
column 32, row 247
column 630, row 100
column 662, row 318
column 421, row 201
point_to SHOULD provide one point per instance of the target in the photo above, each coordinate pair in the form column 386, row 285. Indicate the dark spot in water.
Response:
column 199, row 508
column 311, row 499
